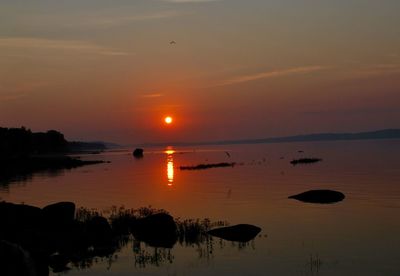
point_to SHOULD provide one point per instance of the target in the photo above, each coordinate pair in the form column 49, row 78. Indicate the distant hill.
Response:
column 372, row 135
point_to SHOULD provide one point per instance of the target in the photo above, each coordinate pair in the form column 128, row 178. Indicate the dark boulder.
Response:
column 59, row 214
column 71, row 238
column 138, row 153
column 98, row 231
column 16, row 217
column 15, row 261
column 319, row 196
column 239, row 233
column 158, row 230
column 59, row 263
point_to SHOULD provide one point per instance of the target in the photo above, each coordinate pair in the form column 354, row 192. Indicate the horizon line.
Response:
column 310, row 137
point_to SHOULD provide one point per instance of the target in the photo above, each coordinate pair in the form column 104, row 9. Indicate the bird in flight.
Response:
column 172, row 42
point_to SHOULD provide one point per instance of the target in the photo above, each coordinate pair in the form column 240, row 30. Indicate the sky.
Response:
column 106, row 70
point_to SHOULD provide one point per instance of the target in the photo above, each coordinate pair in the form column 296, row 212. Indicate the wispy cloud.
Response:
column 346, row 112
column 272, row 74
column 22, row 87
column 151, row 95
column 12, row 97
column 394, row 55
column 376, row 70
column 49, row 44
column 122, row 20
column 14, row 92
column 190, row 1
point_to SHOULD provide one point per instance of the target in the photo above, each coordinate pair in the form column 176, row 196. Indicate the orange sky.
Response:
column 105, row 70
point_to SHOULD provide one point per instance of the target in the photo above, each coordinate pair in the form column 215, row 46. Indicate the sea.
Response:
column 357, row 236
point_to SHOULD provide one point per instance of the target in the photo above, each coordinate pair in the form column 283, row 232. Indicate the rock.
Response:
column 239, row 233
column 71, row 238
column 60, row 214
column 99, row 231
column 319, row 196
column 122, row 225
column 157, row 230
column 138, row 153
column 58, row 263
column 16, row 217
column 15, row 261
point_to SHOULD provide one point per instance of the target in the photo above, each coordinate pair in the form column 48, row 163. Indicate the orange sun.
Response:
column 168, row 120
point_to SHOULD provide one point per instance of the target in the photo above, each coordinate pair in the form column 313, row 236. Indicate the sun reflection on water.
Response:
column 170, row 166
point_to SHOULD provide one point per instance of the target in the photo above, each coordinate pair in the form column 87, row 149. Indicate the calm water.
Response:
column 359, row 236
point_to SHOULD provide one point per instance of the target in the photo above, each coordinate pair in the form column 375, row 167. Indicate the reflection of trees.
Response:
column 94, row 255
column 145, row 256
column 191, row 233
column 21, row 176
column 155, row 256
column 21, row 170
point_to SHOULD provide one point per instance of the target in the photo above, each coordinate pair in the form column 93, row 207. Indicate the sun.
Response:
column 168, row 120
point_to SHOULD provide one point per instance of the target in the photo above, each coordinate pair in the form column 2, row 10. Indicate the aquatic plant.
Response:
column 194, row 231
column 305, row 161
column 207, row 166
column 84, row 214
column 314, row 263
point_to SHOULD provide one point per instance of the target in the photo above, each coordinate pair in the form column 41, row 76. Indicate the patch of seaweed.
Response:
column 207, row 166
column 305, row 161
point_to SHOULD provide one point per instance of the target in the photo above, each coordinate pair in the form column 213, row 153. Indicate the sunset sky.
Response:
column 106, row 70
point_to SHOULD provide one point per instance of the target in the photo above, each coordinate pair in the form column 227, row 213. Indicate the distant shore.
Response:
column 370, row 135
column 23, row 152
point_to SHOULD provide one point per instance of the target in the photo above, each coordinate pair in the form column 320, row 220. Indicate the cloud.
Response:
column 347, row 112
column 152, row 95
column 375, row 70
column 12, row 92
column 272, row 74
column 190, row 1
column 394, row 55
column 49, row 44
column 22, row 87
column 12, row 97
column 122, row 20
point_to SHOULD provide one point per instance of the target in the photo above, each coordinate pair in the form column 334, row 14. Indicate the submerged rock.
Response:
column 157, row 230
column 319, row 196
column 240, row 232
column 138, row 153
